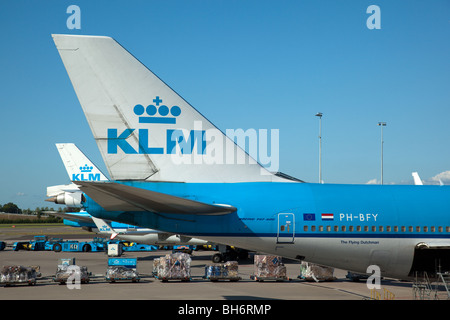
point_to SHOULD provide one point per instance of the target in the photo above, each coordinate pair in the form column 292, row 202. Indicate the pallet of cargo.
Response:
column 11, row 275
column 222, row 272
column 268, row 267
column 122, row 269
column 176, row 266
column 315, row 272
column 67, row 270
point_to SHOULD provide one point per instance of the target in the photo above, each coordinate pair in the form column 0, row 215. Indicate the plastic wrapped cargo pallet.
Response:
column 120, row 269
column 120, row 273
column 64, row 271
column 226, row 271
column 268, row 267
column 176, row 266
column 17, row 274
column 315, row 272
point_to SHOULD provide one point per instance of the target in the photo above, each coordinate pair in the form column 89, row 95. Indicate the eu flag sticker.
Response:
column 309, row 217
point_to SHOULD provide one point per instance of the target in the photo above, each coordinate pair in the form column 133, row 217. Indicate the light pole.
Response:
column 320, row 114
column 382, row 124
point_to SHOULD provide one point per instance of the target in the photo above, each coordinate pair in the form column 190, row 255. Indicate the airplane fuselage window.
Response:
column 380, row 229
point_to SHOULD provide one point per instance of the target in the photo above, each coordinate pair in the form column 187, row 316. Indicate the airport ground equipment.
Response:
column 445, row 278
column 67, row 270
column 227, row 271
column 97, row 245
column 137, row 247
column 115, row 249
column 355, row 277
column 50, row 244
column 269, row 267
column 183, row 248
column 175, row 266
column 11, row 275
column 122, row 269
column 37, row 244
column 315, row 272
column 228, row 253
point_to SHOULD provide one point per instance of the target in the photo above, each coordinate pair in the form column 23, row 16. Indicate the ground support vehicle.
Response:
column 122, row 269
column 50, row 244
column 78, row 246
column 228, row 254
column 183, row 248
column 137, row 247
column 37, row 244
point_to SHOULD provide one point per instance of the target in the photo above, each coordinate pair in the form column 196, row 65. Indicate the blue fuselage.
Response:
column 307, row 221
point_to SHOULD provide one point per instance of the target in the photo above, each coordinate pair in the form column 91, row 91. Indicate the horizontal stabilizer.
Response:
column 70, row 216
column 119, row 197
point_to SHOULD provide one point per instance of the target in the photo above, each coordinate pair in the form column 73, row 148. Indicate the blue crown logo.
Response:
column 86, row 168
column 153, row 109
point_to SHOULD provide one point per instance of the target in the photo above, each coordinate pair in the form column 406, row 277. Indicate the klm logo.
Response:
column 104, row 228
column 157, row 113
column 86, row 174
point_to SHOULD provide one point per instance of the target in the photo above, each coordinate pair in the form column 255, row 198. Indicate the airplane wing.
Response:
column 119, row 197
column 70, row 216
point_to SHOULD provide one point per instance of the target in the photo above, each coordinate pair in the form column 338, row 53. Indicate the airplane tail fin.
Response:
column 79, row 168
column 104, row 227
column 417, row 180
column 78, row 165
column 143, row 128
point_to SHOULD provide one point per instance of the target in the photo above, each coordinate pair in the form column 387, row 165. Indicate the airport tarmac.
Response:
column 150, row 288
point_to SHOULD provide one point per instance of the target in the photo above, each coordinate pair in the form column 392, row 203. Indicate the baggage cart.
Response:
column 269, row 267
column 226, row 271
column 69, row 272
column 11, row 275
column 176, row 266
column 122, row 269
column 315, row 272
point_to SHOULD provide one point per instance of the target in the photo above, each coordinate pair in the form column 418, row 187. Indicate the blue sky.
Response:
column 243, row 64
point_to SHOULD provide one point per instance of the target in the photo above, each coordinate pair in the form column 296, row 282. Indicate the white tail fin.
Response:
column 417, row 180
column 145, row 130
column 104, row 227
column 78, row 166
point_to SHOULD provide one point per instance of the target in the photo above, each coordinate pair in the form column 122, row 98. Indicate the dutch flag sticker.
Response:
column 327, row 216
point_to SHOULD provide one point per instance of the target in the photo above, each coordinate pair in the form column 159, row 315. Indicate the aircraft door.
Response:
column 286, row 228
